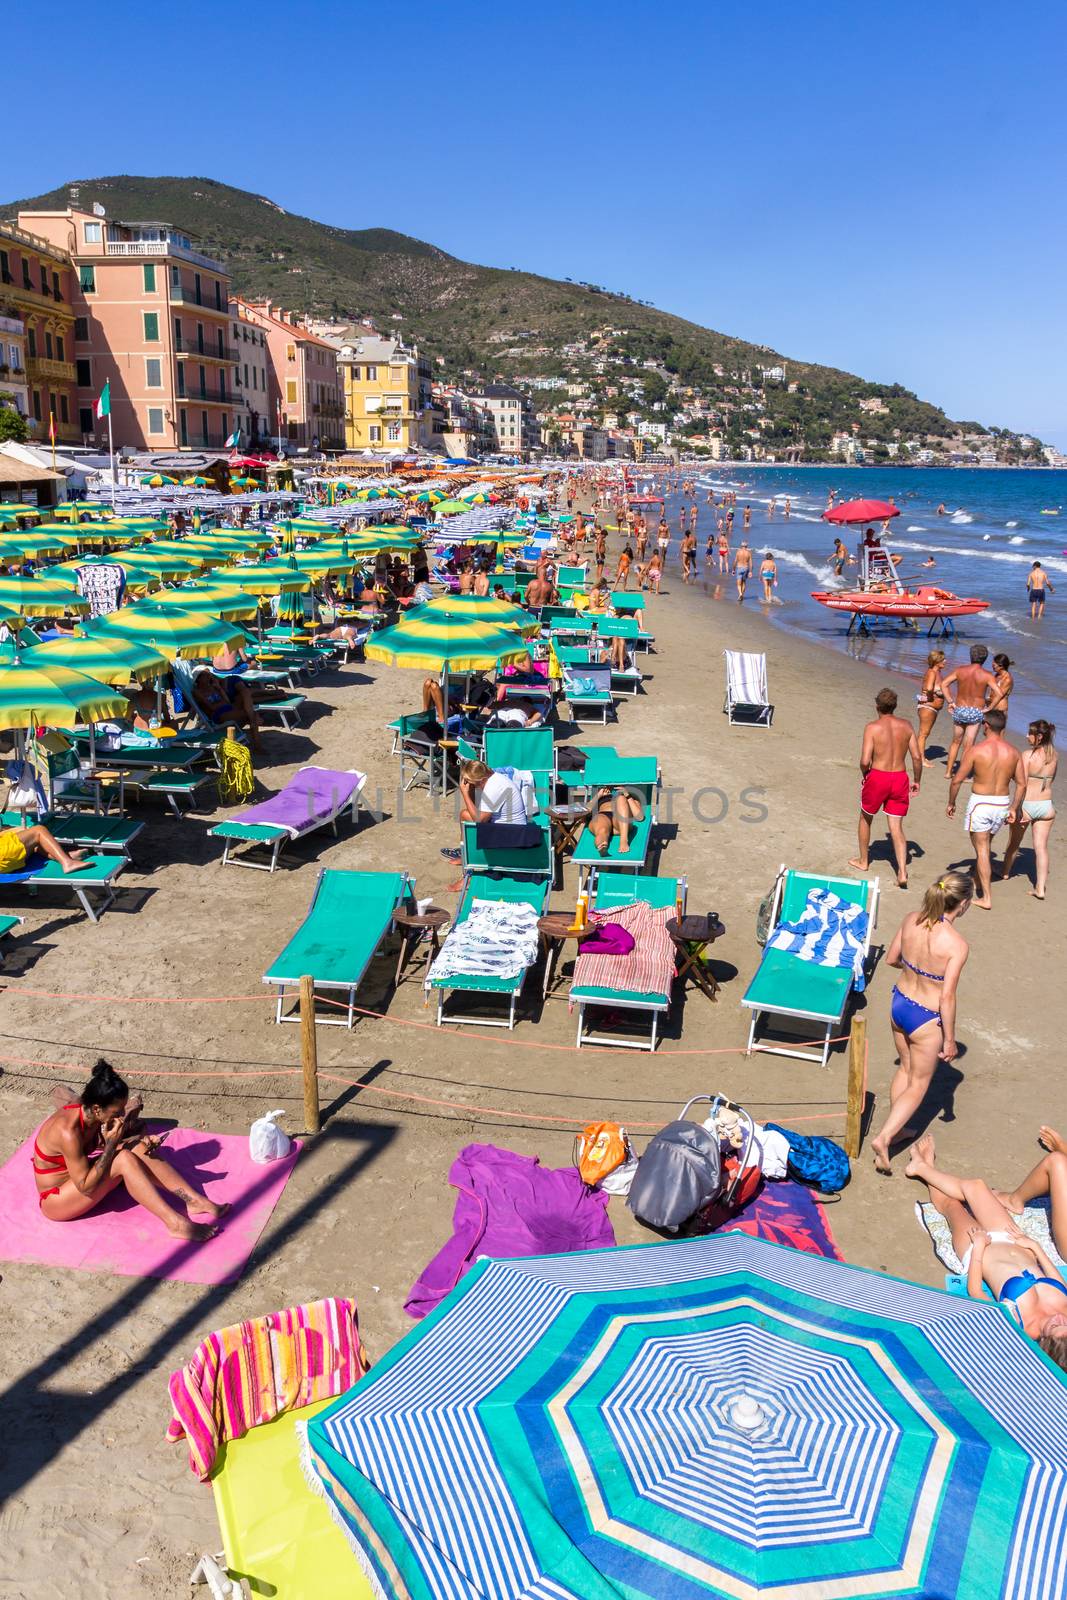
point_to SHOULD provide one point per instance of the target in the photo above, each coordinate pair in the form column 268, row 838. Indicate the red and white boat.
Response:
column 925, row 601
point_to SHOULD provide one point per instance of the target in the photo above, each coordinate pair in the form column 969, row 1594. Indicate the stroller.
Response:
column 690, row 1176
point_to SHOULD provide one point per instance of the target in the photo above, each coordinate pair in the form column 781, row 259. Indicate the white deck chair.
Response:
column 747, row 699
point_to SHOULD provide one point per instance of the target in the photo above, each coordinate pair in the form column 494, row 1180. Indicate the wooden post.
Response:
column 856, row 1101
column 309, row 1054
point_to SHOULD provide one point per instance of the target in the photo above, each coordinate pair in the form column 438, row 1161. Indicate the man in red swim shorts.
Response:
column 888, row 742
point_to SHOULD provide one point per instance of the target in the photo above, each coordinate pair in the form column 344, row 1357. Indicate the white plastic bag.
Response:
column 266, row 1141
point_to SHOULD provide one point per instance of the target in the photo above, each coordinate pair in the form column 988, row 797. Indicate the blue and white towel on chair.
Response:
column 830, row 932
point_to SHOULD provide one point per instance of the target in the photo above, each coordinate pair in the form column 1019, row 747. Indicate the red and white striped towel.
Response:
column 648, row 968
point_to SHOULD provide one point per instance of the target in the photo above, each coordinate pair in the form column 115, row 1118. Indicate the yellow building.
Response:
column 388, row 398
column 36, row 289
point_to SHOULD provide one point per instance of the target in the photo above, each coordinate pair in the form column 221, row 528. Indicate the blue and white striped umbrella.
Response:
column 714, row 1417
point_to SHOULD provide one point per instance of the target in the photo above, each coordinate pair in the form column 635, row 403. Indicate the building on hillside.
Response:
column 518, row 431
column 251, row 378
column 13, row 385
column 388, row 389
column 461, row 427
column 36, row 278
column 151, row 320
column 306, row 401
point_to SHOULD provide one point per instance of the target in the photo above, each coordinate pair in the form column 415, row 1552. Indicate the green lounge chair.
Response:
column 614, row 890
column 785, row 986
column 625, row 604
column 516, row 891
column 587, row 691
column 349, row 916
column 82, row 830
column 530, row 750
column 536, row 861
column 604, row 770
column 571, row 581
column 98, row 873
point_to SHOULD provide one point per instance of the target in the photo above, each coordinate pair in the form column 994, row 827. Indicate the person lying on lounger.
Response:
column 87, row 1149
column 18, row 844
column 225, row 700
column 994, row 1251
column 614, row 812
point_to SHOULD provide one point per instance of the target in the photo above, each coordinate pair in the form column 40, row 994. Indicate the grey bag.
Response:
column 680, row 1171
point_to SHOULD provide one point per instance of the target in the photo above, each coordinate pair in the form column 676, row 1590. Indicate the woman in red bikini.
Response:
column 85, row 1150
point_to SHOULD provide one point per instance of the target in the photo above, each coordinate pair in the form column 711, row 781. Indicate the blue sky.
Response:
column 878, row 188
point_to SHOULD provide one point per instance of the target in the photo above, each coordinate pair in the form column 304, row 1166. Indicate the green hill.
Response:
column 497, row 322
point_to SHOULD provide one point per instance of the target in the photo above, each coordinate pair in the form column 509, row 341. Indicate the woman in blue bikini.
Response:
column 930, row 953
column 994, row 1251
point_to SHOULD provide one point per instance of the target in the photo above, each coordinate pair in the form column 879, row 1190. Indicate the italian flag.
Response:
column 234, row 440
column 103, row 405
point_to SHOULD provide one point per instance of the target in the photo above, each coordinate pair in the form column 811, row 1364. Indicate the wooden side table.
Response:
column 566, row 820
column 413, row 926
column 691, row 937
column 555, row 929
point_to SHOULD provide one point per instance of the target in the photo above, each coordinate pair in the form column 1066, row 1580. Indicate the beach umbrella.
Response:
column 482, row 608
column 450, row 508
column 268, row 577
column 136, row 575
column 39, row 597
column 19, row 508
column 505, row 538
column 229, row 541
column 109, row 533
column 477, row 497
column 199, row 555
column 158, row 480
column 310, row 525
column 383, row 491
column 861, row 511
column 23, row 544
column 77, row 508
column 112, row 661
column 189, row 635
column 317, row 562
column 245, row 483
column 54, row 696
column 696, row 1420
column 429, row 497
column 162, row 565
column 197, row 482
column 229, row 604
column 445, row 644
column 142, row 525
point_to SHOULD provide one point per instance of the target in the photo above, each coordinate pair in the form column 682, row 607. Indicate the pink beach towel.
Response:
column 649, row 966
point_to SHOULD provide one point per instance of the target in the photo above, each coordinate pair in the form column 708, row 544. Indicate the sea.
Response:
column 996, row 523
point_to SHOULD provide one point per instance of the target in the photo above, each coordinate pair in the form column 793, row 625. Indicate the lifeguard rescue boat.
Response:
column 881, row 594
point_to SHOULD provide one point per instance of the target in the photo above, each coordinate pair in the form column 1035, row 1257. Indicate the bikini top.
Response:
column 44, row 1161
column 1023, row 1282
column 934, row 977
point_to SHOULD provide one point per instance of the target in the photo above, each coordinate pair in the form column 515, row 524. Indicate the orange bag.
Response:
column 599, row 1149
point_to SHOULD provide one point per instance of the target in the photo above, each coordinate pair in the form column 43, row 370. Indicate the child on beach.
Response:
column 994, row 1251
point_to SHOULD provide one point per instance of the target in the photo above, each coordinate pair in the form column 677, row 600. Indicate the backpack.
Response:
column 815, row 1160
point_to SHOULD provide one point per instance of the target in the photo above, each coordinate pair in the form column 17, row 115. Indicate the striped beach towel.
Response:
column 253, row 1371
column 830, row 932
column 649, row 966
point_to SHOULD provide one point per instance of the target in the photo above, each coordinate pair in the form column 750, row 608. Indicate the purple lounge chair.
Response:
column 313, row 798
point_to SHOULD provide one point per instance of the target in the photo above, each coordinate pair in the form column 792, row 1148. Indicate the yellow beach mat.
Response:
column 277, row 1533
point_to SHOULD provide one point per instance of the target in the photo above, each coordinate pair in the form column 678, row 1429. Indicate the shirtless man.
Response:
column 975, row 688
column 540, row 592
column 689, row 550
column 991, row 766
column 742, row 568
column 887, row 743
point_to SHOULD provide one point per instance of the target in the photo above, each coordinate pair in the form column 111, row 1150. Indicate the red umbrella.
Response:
column 862, row 511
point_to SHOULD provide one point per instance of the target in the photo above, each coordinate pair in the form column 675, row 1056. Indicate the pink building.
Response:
column 306, row 395
column 152, row 319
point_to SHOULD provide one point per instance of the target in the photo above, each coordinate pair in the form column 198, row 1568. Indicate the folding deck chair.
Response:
column 533, row 861
column 530, row 750
column 786, row 986
column 747, row 699
column 587, row 690
column 613, row 891
column 314, row 797
column 497, row 887
column 603, row 770
column 98, row 873
column 349, row 917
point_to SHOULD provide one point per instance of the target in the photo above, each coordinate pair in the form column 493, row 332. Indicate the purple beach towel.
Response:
column 509, row 1205
column 312, row 796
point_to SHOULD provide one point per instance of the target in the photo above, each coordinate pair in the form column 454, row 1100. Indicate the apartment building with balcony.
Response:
column 151, row 317
column 36, row 285
column 14, row 390
column 305, row 394
column 252, row 379
column 388, row 390
column 517, row 429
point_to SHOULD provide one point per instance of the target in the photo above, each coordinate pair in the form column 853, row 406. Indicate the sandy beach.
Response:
column 95, row 1501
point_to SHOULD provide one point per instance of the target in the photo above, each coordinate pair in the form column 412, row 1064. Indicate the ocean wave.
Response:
column 915, row 527
column 961, row 516
column 1056, row 564
column 824, row 573
column 1011, row 524
column 1018, row 538
column 1007, row 624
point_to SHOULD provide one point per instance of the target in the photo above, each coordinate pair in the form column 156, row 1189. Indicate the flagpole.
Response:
column 52, row 434
column 111, row 452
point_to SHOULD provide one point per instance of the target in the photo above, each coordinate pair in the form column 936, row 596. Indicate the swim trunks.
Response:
column 967, row 716
column 12, row 851
column 890, row 790
column 987, row 813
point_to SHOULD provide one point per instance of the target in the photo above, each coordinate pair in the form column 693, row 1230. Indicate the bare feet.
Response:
column 922, row 1154
column 902, row 883
column 1010, row 1201
column 863, row 866
column 983, row 905
column 1052, row 1140
column 195, row 1232
column 201, row 1203
column 880, row 1151
column 1034, row 895
column 74, row 861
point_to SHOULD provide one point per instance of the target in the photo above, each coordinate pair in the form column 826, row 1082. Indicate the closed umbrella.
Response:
column 709, row 1419
column 113, row 661
column 188, row 635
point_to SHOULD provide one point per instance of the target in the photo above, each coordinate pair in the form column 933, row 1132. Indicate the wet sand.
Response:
column 96, row 1501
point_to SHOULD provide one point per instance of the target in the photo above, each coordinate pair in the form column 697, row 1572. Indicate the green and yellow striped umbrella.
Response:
column 506, row 540
column 185, row 550
column 143, row 525
column 39, row 597
column 318, row 561
column 445, row 644
column 429, row 497
column 189, row 635
column 19, row 508
column 310, row 525
column 46, row 536
column 54, row 697
column 378, row 492
column 232, row 541
column 105, row 533
column 269, row 577
column 475, row 497
column 112, row 661
column 158, row 480
column 137, row 577
column 230, row 604
column 164, row 566
column 80, row 508
column 479, row 608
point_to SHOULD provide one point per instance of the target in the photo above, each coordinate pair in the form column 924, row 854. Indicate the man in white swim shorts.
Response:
column 993, row 766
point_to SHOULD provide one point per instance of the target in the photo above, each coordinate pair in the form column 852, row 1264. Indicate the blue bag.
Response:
column 815, row 1160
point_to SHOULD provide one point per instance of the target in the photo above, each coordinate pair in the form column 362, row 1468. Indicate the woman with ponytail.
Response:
column 1037, row 811
column 930, row 953
column 87, row 1149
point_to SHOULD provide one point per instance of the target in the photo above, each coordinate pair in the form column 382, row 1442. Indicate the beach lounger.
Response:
column 499, row 887
column 530, row 750
column 625, row 604
column 536, row 861
column 604, row 769
column 614, row 891
column 314, row 797
column 82, row 830
column 350, row 915
column 571, row 581
column 587, row 691
column 747, row 699
column 787, row 987
column 98, row 874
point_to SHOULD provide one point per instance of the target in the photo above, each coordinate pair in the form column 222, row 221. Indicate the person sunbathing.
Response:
column 18, row 844
column 614, row 813
column 225, row 700
column 994, row 1251
column 87, row 1149
column 1049, row 1178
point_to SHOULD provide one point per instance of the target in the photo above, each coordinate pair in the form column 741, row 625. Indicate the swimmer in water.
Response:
column 929, row 562
column 941, row 511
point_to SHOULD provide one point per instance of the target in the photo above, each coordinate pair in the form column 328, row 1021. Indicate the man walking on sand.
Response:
column 974, row 688
column 742, row 568
column 991, row 766
column 887, row 742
